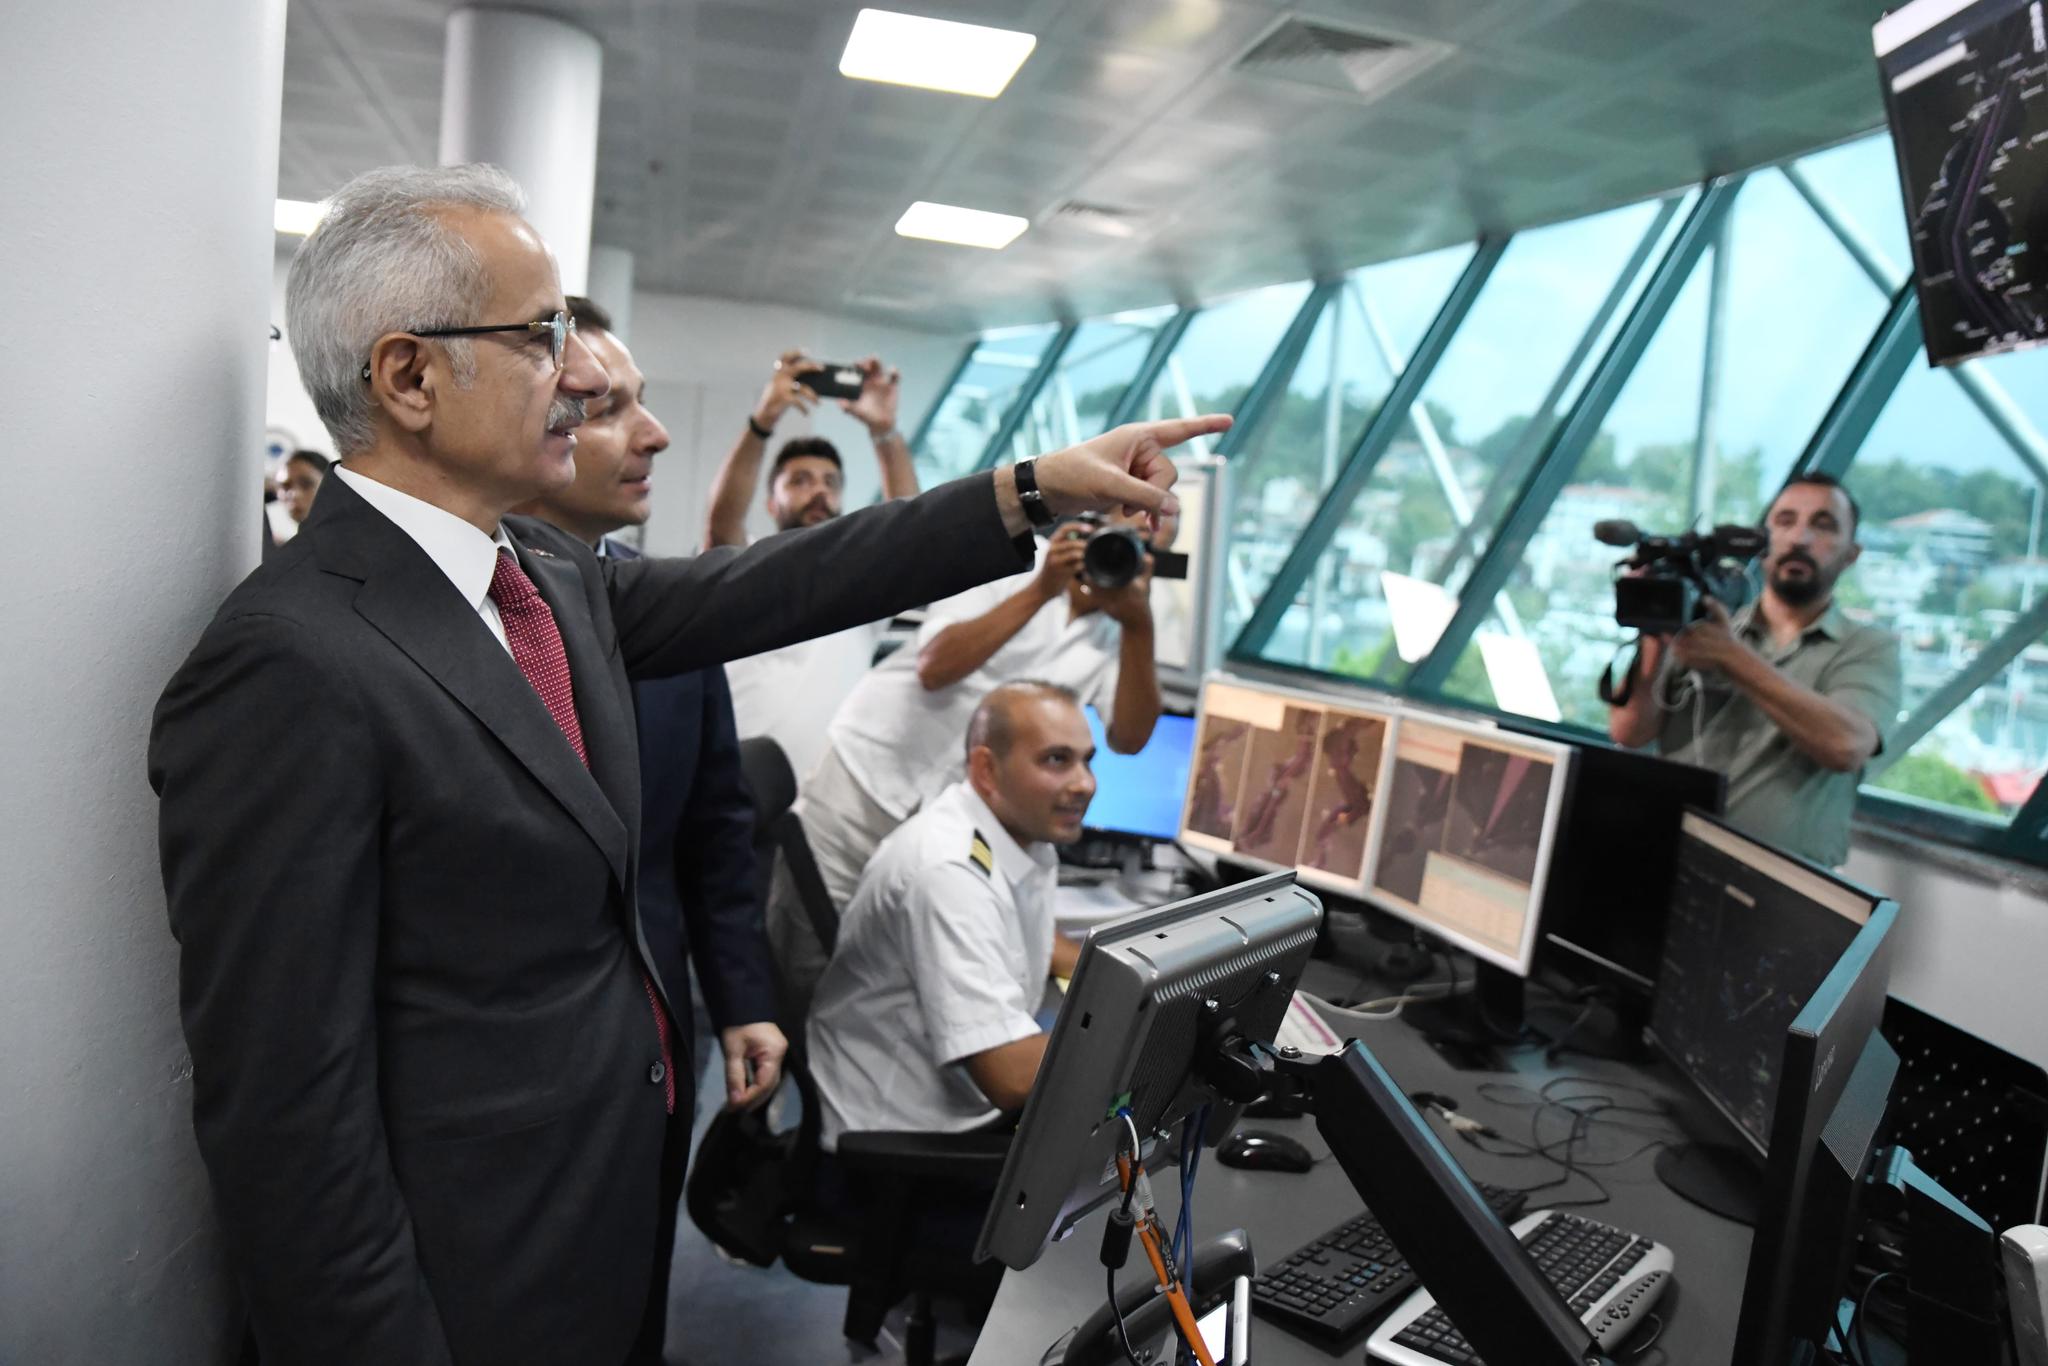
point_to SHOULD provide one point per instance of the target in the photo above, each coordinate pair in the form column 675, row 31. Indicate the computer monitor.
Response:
column 1832, row 1086
column 1603, row 910
column 1461, row 845
column 1127, row 1037
column 1140, row 795
column 1751, row 936
column 1286, row 779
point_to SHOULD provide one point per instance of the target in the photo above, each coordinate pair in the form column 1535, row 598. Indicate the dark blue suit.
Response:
column 698, row 895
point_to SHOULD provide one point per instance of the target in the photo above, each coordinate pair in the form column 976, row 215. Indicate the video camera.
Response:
column 1115, row 554
column 1677, row 570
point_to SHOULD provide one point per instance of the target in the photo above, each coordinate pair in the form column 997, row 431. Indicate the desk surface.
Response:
column 1281, row 1211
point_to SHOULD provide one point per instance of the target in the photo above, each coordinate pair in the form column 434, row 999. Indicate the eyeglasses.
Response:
column 558, row 329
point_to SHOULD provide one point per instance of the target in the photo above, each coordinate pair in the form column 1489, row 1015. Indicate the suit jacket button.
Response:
column 658, row 1073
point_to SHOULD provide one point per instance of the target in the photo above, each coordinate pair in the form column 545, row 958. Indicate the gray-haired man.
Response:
column 430, row 1049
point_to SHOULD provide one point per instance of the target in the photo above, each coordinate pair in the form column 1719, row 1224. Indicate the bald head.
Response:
column 995, row 722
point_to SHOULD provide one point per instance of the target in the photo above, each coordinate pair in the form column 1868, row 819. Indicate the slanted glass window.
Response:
column 1738, row 375
column 1449, row 471
column 972, row 410
column 1091, row 374
column 1217, row 359
column 1952, row 562
column 1361, row 344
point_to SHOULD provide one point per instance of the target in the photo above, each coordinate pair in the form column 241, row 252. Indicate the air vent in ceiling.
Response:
column 1340, row 61
column 1102, row 220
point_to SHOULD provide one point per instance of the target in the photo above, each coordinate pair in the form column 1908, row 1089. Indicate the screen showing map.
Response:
column 1966, row 94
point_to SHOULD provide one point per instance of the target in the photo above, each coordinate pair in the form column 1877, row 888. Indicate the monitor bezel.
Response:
column 1757, row 1149
column 1050, row 1149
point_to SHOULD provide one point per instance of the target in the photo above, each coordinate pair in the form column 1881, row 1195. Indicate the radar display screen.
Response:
column 1966, row 93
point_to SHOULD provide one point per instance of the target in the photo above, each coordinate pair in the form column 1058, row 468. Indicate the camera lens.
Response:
column 1113, row 557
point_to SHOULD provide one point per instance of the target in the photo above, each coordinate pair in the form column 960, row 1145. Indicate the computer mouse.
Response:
column 1258, row 1151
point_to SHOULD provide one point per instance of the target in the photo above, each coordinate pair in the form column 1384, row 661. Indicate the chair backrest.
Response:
column 778, row 831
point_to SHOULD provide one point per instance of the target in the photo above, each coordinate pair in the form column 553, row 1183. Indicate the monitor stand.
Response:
column 1490, row 1013
column 1718, row 1177
column 1602, row 1024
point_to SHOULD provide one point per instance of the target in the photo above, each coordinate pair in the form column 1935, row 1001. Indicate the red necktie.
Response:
column 537, row 650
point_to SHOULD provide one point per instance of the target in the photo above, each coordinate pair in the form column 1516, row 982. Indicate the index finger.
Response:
column 1174, row 430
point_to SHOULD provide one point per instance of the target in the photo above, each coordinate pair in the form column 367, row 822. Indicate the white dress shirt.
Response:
column 467, row 556
column 791, row 694
column 942, row 954
column 903, row 743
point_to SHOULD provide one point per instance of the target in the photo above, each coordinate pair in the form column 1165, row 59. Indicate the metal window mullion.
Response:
column 1871, row 382
column 924, row 427
column 1013, row 421
column 1278, row 369
column 1580, row 426
column 1530, row 445
column 1125, row 409
column 1372, row 443
column 1989, row 663
column 2027, row 835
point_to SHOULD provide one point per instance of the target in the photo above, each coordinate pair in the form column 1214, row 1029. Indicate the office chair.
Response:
column 750, row 1189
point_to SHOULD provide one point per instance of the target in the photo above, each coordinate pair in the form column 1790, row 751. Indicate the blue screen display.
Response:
column 1141, row 794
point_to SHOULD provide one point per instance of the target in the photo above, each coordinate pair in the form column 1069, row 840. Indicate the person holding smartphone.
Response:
column 790, row 694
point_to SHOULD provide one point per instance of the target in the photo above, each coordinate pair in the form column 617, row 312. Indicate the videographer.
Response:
column 1788, row 697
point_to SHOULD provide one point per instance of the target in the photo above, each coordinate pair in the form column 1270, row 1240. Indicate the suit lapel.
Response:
column 405, row 596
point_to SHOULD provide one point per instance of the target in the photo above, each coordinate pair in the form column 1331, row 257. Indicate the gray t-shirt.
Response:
column 1775, row 791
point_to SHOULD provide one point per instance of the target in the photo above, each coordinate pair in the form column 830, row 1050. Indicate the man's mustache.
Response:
column 1801, row 557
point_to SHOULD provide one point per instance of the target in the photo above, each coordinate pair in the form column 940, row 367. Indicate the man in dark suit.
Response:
column 432, row 1063
column 698, row 892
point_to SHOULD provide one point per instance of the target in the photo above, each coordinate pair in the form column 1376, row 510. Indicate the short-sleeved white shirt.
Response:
column 903, row 744
column 942, row 954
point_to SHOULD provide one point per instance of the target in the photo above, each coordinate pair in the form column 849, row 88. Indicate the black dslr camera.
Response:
column 1677, row 570
column 1115, row 554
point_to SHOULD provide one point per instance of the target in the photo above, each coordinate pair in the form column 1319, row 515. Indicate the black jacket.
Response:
column 422, row 1052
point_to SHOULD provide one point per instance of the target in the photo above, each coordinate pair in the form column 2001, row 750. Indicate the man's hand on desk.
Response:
column 1066, row 953
column 760, row 1046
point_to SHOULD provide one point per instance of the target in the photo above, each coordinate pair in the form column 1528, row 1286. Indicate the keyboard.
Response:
column 1609, row 1276
column 1332, row 1287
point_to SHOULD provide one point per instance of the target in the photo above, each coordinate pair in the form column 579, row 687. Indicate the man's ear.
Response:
column 981, row 769
column 404, row 380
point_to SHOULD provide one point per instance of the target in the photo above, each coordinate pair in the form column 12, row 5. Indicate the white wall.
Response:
column 705, row 360
column 140, row 160
column 1973, row 938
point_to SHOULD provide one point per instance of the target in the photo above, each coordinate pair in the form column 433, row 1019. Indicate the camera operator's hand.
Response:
column 1123, row 470
column 875, row 409
column 783, row 390
column 1708, row 644
column 1129, row 606
column 1063, row 557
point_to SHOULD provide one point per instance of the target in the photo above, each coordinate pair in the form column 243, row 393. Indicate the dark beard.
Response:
column 1799, row 592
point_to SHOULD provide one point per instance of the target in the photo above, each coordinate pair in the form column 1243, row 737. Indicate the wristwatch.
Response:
column 1035, row 511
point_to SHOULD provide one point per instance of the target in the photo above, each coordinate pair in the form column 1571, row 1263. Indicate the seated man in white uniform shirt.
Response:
column 925, row 1018
column 894, row 743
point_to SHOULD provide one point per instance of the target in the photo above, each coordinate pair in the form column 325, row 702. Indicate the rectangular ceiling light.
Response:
column 933, row 54
column 963, row 227
column 298, row 217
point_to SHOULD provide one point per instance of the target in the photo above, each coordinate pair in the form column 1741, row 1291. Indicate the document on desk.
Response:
column 1302, row 1028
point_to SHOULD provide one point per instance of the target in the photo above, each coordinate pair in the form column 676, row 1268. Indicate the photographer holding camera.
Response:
column 1786, row 696
column 1082, row 619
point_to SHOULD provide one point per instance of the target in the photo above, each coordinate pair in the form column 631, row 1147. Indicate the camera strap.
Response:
column 1618, row 697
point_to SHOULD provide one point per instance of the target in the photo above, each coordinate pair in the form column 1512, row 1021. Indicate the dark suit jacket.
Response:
column 698, row 898
column 422, row 1053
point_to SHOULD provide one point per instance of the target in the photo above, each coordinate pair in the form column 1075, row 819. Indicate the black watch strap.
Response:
column 1035, row 511
column 758, row 430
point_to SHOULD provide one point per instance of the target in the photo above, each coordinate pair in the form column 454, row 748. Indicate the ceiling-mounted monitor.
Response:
column 1966, row 93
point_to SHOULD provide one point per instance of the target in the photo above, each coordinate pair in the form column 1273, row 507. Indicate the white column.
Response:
column 611, row 286
column 521, row 91
column 140, row 160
